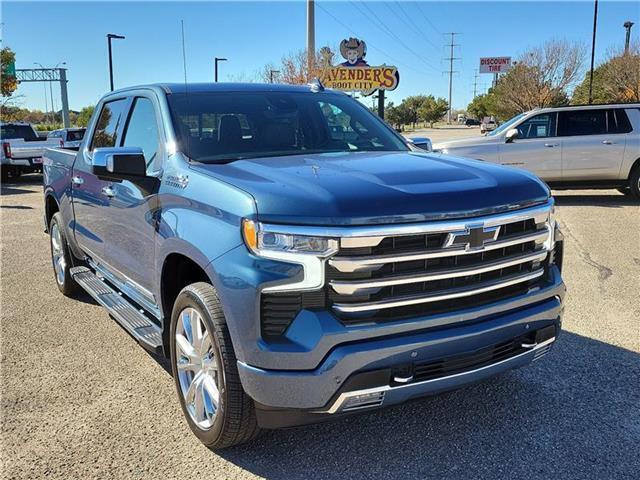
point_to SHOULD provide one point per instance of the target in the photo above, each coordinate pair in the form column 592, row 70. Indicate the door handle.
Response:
column 607, row 142
column 77, row 180
column 109, row 191
column 550, row 145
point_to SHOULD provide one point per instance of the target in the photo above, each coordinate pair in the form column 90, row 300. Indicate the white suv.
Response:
column 595, row 146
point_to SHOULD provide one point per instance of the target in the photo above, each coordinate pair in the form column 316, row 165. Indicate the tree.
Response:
column 617, row 80
column 8, row 81
column 397, row 116
column 84, row 116
column 412, row 105
column 431, row 109
column 294, row 68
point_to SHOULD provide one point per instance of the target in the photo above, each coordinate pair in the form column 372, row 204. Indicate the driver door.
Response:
column 536, row 148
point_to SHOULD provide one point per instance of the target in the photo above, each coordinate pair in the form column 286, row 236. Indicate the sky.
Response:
column 409, row 35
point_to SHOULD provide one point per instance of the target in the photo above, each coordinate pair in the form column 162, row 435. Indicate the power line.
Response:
column 424, row 15
column 392, row 34
column 451, row 59
column 422, row 72
column 416, row 28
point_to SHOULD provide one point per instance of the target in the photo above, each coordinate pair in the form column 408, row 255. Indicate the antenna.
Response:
column 186, row 87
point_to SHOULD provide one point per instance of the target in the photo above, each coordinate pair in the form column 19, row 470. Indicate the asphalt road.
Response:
column 80, row 399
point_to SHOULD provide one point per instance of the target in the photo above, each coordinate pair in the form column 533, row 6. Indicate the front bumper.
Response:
column 316, row 391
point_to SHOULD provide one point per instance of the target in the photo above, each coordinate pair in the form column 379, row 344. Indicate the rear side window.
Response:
column 142, row 132
column 618, row 121
column 111, row 117
column 11, row 132
column 75, row 135
column 582, row 122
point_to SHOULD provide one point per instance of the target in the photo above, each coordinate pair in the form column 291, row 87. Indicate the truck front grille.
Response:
column 384, row 278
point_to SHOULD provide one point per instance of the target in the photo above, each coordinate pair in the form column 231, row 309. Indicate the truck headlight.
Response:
column 275, row 243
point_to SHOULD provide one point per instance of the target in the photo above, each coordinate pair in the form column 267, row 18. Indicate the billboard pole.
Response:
column 311, row 38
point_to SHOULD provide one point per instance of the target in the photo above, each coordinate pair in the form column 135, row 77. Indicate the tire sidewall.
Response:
column 68, row 286
column 189, row 298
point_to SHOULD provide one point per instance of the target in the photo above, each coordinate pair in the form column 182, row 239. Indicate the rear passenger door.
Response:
column 593, row 143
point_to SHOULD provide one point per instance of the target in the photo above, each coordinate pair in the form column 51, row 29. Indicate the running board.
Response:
column 132, row 320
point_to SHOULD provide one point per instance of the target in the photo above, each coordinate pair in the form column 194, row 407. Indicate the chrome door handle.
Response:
column 607, row 142
column 550, row 145
column 77, row 180
column 109, row 191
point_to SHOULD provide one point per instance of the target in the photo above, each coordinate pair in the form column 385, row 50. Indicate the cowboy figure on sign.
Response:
column 354, row 51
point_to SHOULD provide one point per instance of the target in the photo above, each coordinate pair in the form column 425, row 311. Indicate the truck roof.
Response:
column 170, row 88
column 583, row 107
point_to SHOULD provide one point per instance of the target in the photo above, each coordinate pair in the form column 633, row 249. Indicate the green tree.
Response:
column 432, row 109
column 84, row 116
column 412, row 105
column 8, row 81
column 617, row 80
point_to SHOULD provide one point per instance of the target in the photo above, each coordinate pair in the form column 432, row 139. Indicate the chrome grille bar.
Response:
column 372, row 286
column 364, row 263
column 439, row 295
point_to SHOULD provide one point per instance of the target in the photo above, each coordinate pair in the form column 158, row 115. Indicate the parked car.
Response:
column 292, row 276
column 488, row 125
column 68, row 137
column 472, row 122
column 595, row 146
column 22, row 149
column 423, row 143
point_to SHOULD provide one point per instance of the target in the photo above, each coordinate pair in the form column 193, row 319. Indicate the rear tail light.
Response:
column 6, row 148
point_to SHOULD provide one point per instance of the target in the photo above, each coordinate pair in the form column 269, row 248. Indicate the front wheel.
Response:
column 203, row 361
column 634, row 182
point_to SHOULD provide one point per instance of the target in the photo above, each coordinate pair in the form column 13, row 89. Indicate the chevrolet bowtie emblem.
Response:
column 473, row 237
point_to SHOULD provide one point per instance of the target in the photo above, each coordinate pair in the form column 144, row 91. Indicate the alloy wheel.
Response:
column 198, row 368
column 57, row 254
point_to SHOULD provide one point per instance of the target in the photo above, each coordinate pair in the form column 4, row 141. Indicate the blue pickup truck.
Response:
column 295, row 258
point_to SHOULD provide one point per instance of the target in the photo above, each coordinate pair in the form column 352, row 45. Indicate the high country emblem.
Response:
column 474, row 237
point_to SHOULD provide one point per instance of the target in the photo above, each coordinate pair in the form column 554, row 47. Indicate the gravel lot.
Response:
column 80, row 399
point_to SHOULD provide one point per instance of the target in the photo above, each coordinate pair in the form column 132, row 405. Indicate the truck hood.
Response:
column 467, row 142
column 360, row 188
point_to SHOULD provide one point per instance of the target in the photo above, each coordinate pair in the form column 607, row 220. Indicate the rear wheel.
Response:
column 61, row 257
column 204, row 367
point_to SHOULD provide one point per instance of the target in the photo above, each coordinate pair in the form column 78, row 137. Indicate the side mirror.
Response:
column 422, row 143
column 119, row 163
column 511, row 135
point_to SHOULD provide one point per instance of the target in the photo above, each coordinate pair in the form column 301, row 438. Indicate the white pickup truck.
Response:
column 22, row 149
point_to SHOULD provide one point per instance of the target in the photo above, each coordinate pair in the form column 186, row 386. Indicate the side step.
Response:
column 136, row 323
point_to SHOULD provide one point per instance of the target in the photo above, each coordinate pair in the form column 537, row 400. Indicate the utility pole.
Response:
column 627, row 25
column 46, row 103
column 111, row 36
column 475, row 82
column 451, row 58
column 271, row 72
column 311, row 38
column 593, row 49
column 215, row 69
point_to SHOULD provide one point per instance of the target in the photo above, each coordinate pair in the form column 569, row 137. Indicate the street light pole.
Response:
column 271, row 72
column 215, row 61
column 593, row 50
column 46, row 103
column 627, row 25
column 111, row 36
column 53, row 105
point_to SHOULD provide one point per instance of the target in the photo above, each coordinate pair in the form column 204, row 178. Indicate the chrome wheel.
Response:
column 57, row 253
column 198, row 368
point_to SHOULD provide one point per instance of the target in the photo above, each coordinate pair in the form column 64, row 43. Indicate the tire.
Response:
column 4, row 174
column 61, row 257
column 634, row 182
column 214, row 371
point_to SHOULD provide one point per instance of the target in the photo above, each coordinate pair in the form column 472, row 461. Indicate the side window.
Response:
column 583, row 122
column 106, row 131
column 142, row 132
column 540, row 126
column 619, row 121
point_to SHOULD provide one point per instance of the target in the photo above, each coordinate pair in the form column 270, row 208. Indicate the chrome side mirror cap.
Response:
column 118, row 163
column 511, row 135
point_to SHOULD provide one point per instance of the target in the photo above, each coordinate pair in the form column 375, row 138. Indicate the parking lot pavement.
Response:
column 80, row 399
column 445, row 132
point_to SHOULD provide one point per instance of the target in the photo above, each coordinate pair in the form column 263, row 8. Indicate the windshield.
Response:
column 225, row 126
column 25, row 132
column 506, row 125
